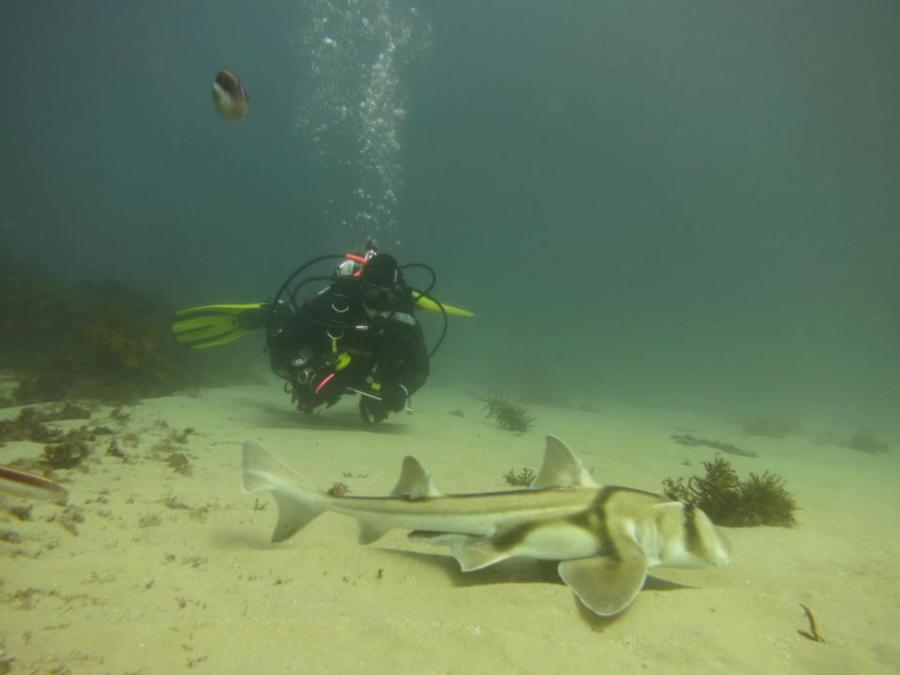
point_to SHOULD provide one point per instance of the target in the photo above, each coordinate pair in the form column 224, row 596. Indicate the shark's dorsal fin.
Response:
column 414, row 482
column 561, row 468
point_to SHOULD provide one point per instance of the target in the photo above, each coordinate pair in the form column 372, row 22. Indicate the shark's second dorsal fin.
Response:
column 561, row 468
column 414, row 483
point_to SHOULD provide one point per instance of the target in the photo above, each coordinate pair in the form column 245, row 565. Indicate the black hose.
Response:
column 443, row 334
column 294, row 275
column 303, row 283
column 334, row 256
column 428, row 269
column 304, row 266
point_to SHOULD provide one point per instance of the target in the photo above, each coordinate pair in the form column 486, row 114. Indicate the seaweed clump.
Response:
column 524, row 478
column 693, row 441
column 762, row 499
column 179, row 463
column 62, row 450
column 169, row 450
column 69, row 453
column 865, row 441
column 338, row 489
column 96, row 339
column 31, row 423
column 507, row 414
column 28, row 425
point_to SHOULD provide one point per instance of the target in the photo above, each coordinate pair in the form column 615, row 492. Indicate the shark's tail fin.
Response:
column 261, row 471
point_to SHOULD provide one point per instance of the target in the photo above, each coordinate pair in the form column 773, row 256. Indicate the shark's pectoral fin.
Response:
column 293, row 516
column 606, row 585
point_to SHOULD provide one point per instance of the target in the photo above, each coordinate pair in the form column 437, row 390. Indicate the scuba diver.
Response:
column 356, row 335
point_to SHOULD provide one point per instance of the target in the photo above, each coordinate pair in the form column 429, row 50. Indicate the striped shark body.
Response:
column 605, row 537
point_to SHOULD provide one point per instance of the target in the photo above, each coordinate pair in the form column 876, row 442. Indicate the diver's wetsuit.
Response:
column 335, row 341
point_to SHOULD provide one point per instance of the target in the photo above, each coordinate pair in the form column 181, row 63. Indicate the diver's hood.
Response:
column 382, row 270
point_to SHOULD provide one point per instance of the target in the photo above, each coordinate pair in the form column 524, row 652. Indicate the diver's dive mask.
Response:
column 384, row 298
column 382, row 284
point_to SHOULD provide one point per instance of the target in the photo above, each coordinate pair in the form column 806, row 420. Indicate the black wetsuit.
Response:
column 333, row 342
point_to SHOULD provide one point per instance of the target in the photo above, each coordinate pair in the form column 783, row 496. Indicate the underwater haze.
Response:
column 680, row 203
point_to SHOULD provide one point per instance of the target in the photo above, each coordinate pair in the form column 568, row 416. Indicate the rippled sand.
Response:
column 155, row 571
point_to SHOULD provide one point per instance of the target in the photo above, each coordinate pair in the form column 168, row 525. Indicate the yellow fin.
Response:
column 214, row 325
column 427, row 303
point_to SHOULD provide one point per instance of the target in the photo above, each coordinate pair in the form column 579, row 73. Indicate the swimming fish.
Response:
column 229, row 96
column 604, row 537
column 30, row 486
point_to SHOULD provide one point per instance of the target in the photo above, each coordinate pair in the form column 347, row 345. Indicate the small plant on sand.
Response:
column 865, row 441
column 507, row 414
column 524, row 478
column 338, row 490
column 69, row 453
column 729, row 501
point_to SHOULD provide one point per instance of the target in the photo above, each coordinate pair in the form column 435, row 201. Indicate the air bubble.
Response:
column 353, row 100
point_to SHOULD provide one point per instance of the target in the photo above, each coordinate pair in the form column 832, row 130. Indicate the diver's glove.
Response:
column 391, row 398
column 371, row 410
column 394, row 396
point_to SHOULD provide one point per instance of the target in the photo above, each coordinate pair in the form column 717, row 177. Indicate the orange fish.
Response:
column 229, row 96
column 30, row 486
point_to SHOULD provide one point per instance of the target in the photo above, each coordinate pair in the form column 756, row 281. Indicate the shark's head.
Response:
column 688, row 538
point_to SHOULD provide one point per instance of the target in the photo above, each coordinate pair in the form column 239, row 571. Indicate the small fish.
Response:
column 30, row 486
column 230, row 97
column 605, row 538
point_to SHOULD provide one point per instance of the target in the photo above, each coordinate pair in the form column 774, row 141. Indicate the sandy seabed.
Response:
column 155, row 571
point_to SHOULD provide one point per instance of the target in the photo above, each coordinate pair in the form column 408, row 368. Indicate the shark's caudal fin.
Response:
column 261, row 471
column 561, row 468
